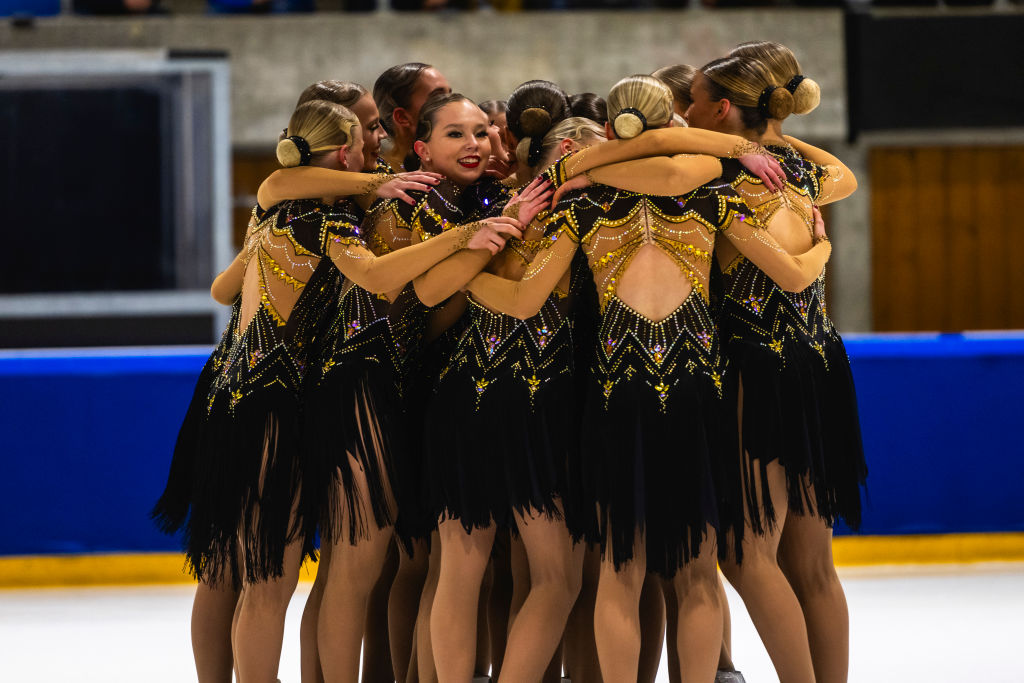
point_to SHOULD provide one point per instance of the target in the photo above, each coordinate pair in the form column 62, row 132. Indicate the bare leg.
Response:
column 356, row 564
column 353, row 573
column 259, row 630
column 699, row 629
column 376, row 648
column 424, row 646
column 580, row 648
column 413, row 674
column 725, row 655
column 668, row 589
column 805, row 554
column 617, row 616
column 464, row 558
column 770, row 601
column 520, row 567
column 213, row 611
column 402, row 606
column 234, row 628
column 500, row 602
column 483, row 635
column 310, row 653
column 652, row 629
column 555, row 569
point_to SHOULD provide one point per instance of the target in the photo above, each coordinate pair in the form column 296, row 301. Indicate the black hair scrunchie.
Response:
column 305, row 155
column 794, row 82
column 764, row 101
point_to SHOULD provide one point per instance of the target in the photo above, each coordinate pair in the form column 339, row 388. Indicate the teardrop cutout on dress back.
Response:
column 652, row 284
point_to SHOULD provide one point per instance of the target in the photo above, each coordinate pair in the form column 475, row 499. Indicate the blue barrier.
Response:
column 87, row 435
column 29, row 8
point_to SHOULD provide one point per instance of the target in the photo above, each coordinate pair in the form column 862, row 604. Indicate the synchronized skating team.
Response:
column 530, row 372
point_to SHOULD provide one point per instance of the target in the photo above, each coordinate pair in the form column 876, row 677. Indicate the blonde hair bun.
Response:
column 288, row 154
column 780, row 104
column 628, row 125
column 806, row 96
column 535, row 121
column 637, row 103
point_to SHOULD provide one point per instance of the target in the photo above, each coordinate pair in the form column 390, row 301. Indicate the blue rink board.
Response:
column 87, row 436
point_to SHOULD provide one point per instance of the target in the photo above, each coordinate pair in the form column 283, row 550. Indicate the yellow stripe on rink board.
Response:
column 98, row 569
column 928, row 549
column 40, row 571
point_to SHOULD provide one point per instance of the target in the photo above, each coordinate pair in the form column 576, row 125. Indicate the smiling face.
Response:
column 458, row 147
column 373, row 132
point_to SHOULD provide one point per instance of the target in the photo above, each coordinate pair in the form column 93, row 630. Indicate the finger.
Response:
column 504, row 220
column 541, row 190
column 539, row 184
column 538, row 205
column 511, row 232
column 507, row 230
column 417, row 186
column 405, row 198
column 420, row 177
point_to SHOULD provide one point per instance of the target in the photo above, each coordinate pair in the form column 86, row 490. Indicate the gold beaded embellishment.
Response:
column 377, row 180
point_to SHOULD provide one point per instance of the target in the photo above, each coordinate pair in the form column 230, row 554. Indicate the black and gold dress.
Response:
column 425, row 336
column 355, row 420
column 171, row 511
column 799, row 403
column 657, row 439
column 504, row 415
column 254, row 486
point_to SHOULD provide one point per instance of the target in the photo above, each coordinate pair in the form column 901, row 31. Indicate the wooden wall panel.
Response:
column 249, row 169
column 947, row 238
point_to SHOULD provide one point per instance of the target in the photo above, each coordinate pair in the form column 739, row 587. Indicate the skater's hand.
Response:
column 577, row 183
column 492, row 233
column 767, row 168
column 533, row 199
column 397, row 187
column 819, row 225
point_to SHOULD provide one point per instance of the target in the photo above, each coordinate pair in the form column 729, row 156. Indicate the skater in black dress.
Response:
column 802, row 453
column 263, row 476
column 656, row 431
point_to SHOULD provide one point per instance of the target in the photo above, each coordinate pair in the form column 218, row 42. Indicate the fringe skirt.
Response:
column 354, row 431
column 501, row 423
column 657, row 439
column 236, row 486
column 800, row 408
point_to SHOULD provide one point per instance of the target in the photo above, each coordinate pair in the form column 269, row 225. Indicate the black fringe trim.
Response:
column 249, row 501
column 800, row 407
column 653, row 471
column 488, row 455
column 354, row 411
